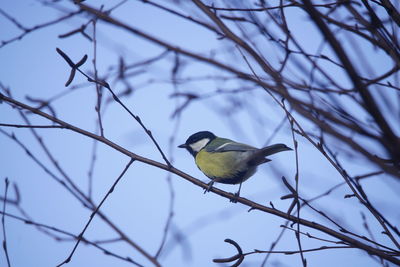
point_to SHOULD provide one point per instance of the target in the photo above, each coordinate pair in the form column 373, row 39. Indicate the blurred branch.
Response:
column 281, row 6
column 80, row 236
column 3, row 223
column 71, row 186
column 27, row 30
column 174, row 12
column 31, row 126
column 389, row 139
column 76, row 66
column 74, row 237
column 391, row 10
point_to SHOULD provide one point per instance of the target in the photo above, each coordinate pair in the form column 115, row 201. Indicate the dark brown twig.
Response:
column 27, row 30
column 239, row 257
column 31, row 126
column 72, row 236
column 3, row 223
column 80, row 236
column 75, row 67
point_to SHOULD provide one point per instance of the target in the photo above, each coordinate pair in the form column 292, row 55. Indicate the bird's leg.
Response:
column 210, row 185
column 237, row 194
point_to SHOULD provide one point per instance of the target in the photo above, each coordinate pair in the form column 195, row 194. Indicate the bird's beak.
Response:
column 182, row 146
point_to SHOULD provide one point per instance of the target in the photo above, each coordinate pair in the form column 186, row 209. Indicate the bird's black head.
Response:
column 197, row 141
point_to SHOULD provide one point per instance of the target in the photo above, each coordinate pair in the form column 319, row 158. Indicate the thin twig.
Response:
column 36, row 27
column 295, row 144
column 80, row 236
column 98, row 86
column 31, row 126
column 4, row 223
column 76, row 66
column 72, row 236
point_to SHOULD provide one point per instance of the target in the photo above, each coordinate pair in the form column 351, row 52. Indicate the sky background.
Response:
column 140, row 203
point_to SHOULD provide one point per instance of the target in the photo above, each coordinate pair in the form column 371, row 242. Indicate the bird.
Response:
column 226, row 161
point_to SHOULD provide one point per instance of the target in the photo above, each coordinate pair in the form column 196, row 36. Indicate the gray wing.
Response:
column 230, row 146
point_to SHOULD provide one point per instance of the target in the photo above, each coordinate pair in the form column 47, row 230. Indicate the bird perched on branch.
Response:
column 226, row 161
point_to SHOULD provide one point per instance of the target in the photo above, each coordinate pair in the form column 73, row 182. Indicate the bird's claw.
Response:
column 210, row 185
column 235, row 198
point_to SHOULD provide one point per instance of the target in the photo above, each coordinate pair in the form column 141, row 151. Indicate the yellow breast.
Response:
column 217, row 164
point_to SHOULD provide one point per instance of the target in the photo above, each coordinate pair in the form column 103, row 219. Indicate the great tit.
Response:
column 226, row 161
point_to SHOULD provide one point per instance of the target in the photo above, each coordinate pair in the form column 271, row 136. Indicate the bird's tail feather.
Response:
column 270, row 150
column 259, row 157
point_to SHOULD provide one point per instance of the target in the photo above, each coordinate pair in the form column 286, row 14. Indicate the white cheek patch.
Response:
column 199, row 144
